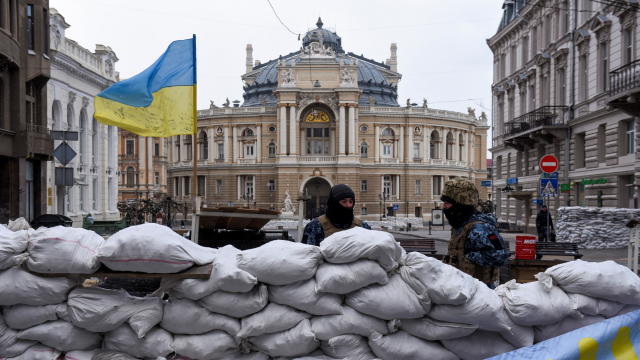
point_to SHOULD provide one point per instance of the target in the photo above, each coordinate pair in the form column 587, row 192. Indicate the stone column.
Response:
column 227, row 148
column 443, row 144
column 410, row 155
column 352, row 129
column 454, row 150
column 401, row 144
column 426, row 132
column 211, row 145
column 258, row 143
column 293, row 130
column 376, row 144
column 282, row 146
column 235, row 144
column 341, row 131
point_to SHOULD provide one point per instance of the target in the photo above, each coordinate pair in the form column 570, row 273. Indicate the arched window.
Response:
column 56, row 115
column 177, row 154
column 460, row 147
column 387, row 132
column 131, row 176
column 433, row 145
column 82, row 136
column 272, row 150
column 203, row 143
column 247, row 132
column 364, row 150
column 449, row 149
column 94, row 141
column 188, row 148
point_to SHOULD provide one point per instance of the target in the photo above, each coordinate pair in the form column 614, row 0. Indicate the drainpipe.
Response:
column 567, row 145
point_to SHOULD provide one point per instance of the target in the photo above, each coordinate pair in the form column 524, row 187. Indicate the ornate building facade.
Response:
column 77, row 75
column 565, row 83
column 321, row 116
column 142, row 164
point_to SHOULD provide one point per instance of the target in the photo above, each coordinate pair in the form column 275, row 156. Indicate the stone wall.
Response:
column 595, row 228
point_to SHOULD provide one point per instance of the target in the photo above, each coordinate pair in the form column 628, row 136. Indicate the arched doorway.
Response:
column 317, row 189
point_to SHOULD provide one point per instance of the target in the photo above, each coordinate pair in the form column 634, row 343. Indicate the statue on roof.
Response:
column 424, row 103
column 472, row 112
column 226, row 103
column 408, row 102
column 212, row 105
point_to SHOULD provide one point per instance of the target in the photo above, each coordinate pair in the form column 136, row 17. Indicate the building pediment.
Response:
column 600, row 22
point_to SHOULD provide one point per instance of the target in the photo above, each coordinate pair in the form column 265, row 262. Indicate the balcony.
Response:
column 318, row 159
column 36, row 141
column 540, row 125
column 624, row 88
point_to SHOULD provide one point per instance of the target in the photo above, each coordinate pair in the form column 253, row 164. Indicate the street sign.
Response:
column 64, row 176
column 396, row 207
column 548, row 187
column 64, row 135
column 486, row 183
column 64, row 153
column 537, row 201
column 512, row 181
column 437, row 217
column 549, row 163
column 553, row 175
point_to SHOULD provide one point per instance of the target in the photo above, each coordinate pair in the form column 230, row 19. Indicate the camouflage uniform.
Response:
column 476, row 247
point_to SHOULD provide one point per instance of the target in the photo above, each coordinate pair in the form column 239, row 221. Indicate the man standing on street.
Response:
column 476, row 246
column 544, row 225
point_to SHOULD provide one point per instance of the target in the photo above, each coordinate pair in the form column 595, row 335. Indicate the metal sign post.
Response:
column 64, row 154
column 548, row 188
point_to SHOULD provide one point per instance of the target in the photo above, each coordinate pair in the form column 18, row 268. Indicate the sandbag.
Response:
column 249, row 356
column 18, row 286
column 10, row 345
column 303, row 296
column 281, row 262
column 63, row 249
column 12, row 247
column 113, row 355
column 535, row 303
column 315, row 355
column 19, row 317
column 80, row 354
column 18, row 224
column 237, row 305
column 479, row 345
column 444, row 283
column 183, row 316
column 564, row 326
column 395, row 300
column 346, row 278
column 211, row 345
column 347, row 347
column 401, row 345
column 271, row 319
column 102, row 310
column 157, row 342
column 38, row 352
column 61, row 335
column 349, row 322
column 358, row 243
column 604, row 280
column 296, row 341
column 152, row 248
column 225, row 276
column 628, row 308
column 429, row 329
column 591, row 306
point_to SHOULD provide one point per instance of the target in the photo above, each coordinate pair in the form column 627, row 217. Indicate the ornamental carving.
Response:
column 317, row 49
column 329, row 100
column 347, row 77
column 288, row 78
column 219, row 131
column 108, row 67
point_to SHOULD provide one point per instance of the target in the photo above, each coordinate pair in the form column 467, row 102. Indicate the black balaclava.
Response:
column 458, row 214
column 339, row 215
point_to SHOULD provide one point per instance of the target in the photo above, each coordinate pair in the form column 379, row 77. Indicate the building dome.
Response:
column 325, row 36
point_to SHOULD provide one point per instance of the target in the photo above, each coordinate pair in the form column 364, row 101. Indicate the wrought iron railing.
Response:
column 542, row 116
column 624, row 78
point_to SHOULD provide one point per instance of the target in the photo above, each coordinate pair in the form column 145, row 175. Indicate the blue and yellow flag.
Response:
column 159, row 101
column 617, row 338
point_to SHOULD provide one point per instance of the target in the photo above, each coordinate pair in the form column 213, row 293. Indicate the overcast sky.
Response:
column 442, row 51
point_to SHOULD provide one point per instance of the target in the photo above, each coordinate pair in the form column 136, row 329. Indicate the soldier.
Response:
column 476, row 246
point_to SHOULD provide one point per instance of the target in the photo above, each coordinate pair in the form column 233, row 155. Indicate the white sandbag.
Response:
column 479, row 345
column 183, row 316
column 394, row 300
column 296, row 341
column 212, row 345
column 152, row 248
column 591, row 306
column 80, row 354
column 302, row 295
column 18, row 224
column 346, row 278
column 444, row 283
column 19, row 317
column 314, row 355
column 63, row 249
column 225, row 276
column 10, row 345
column 249, row 356
column 485, row 309
column 271, row 319
column 18, row 286
column 349, row 322
column 433, row 330
column 564, row 326
column 113, row 355
column 348, row 347
column 237, row 305
column 12, row 247
column 102, row 310
column 604, row 280
column 281, row 262
column 401, row 345
column 535, row 303
column 38, row 352
column 157, row 342
column 61, row 335
column 358, row 243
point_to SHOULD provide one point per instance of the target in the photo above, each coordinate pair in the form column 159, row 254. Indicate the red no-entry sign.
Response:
column 549, row 164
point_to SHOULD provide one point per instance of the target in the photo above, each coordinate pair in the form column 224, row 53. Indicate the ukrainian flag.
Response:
column 159, row 101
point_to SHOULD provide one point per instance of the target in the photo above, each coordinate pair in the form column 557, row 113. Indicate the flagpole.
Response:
column 194, row 181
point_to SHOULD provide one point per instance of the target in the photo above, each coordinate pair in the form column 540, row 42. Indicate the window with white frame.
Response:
column 363, row 211
column 220, row 151
column 272, row 149
column 627, row 45
column 416, row 151
column 418, row 187
column 271, row 185
column 583, row 76
column 218, row 186
column 434, row 151
column 246, row 190
column 317, row 141
column 437, row 185
column 603, row 65
column 631, row 136
column 363, row 185
column 449, row 147
column 460, row 147
column 130, row 146
column 202, row 185
column 249, row 151
column 388, row 186
column 177, row 140
column 387, row 149
column 364, row 150
column 94, row 194
column 188, row 148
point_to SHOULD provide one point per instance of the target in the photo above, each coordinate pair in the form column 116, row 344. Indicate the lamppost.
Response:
column 383, row 197
column 248, row 198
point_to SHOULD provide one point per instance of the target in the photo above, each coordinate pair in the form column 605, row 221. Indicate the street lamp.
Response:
column 383, row 198
column 248, row 198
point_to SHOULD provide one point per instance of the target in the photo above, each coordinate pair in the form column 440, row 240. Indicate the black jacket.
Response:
column 541, row 221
